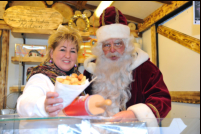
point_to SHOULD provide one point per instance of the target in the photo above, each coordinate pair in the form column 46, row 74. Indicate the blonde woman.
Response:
column 38, row 97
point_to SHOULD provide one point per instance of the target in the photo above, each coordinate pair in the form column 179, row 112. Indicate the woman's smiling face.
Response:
column 65, row 55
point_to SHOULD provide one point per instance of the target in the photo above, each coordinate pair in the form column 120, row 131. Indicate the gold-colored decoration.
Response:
column 85, row 50
column 32, row 17
column 94, row 21
column 87, row 12
column 181, row 38
column 84, row 17
column 92, row 31
column 78, row 12
column 160, row 13
column 132, row 26
column 80, row 23
column 65, row 10
column 185, row 96
column 49, row 2
column 93, row 41
column 153, row 45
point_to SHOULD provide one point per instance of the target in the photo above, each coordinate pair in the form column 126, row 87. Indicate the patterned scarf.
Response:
column 50, row 70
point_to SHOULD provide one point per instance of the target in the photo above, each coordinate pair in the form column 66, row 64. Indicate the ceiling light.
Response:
column 102, row 6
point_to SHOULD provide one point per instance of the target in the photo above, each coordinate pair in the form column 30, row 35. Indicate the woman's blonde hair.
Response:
column 63, row 33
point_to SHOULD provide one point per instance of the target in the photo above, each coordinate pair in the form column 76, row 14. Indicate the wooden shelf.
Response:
column 40, row 33
column 14, row 89
column 27, row 59
column 32, row 33
column 35, row 59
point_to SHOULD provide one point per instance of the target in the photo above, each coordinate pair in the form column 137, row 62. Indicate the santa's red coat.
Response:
column 148, row 87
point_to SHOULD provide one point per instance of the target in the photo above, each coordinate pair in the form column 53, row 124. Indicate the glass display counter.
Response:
column 13, row 124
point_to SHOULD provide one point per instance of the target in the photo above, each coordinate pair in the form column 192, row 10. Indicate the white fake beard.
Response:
column 113, row 81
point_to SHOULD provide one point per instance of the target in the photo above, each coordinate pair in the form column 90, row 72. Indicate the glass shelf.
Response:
column 95, row 125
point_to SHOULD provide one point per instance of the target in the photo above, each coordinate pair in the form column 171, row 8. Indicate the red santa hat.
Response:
column 113, row 24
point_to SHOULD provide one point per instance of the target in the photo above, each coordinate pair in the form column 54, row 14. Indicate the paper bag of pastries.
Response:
column 69, row 87
column 74, row 79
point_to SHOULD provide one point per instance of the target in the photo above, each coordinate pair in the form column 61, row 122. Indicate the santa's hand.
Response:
column 124, row 116
column 50, row 101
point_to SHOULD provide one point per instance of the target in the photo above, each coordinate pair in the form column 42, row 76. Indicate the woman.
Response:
column 38, row 97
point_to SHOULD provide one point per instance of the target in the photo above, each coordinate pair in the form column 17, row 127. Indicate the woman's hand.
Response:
column 124, row 116
column 50, row 101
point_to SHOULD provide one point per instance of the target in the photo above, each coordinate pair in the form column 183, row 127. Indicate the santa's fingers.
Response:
column 120, row 119
column 115, row 119
column 124, row 116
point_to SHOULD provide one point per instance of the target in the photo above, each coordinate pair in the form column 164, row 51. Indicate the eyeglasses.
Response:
column 117, row 44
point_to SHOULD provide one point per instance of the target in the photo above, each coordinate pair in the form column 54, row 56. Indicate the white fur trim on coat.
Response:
column 88, row 65
column 141, row 58
column 112, row 31
column 144, row 113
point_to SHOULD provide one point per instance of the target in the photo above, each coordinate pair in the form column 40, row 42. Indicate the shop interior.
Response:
column 169, row 31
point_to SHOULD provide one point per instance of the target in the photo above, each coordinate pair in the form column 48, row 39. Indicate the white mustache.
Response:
column 116, row 54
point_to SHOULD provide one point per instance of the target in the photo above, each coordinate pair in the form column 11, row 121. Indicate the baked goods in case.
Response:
column 74, row 79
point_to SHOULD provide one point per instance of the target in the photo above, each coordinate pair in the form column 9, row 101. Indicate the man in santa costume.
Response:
column 125, row 74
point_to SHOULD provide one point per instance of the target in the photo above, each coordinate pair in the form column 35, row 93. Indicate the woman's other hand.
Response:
column 51, row 99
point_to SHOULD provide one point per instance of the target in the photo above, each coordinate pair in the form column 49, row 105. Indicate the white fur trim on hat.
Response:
column 112, row 31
